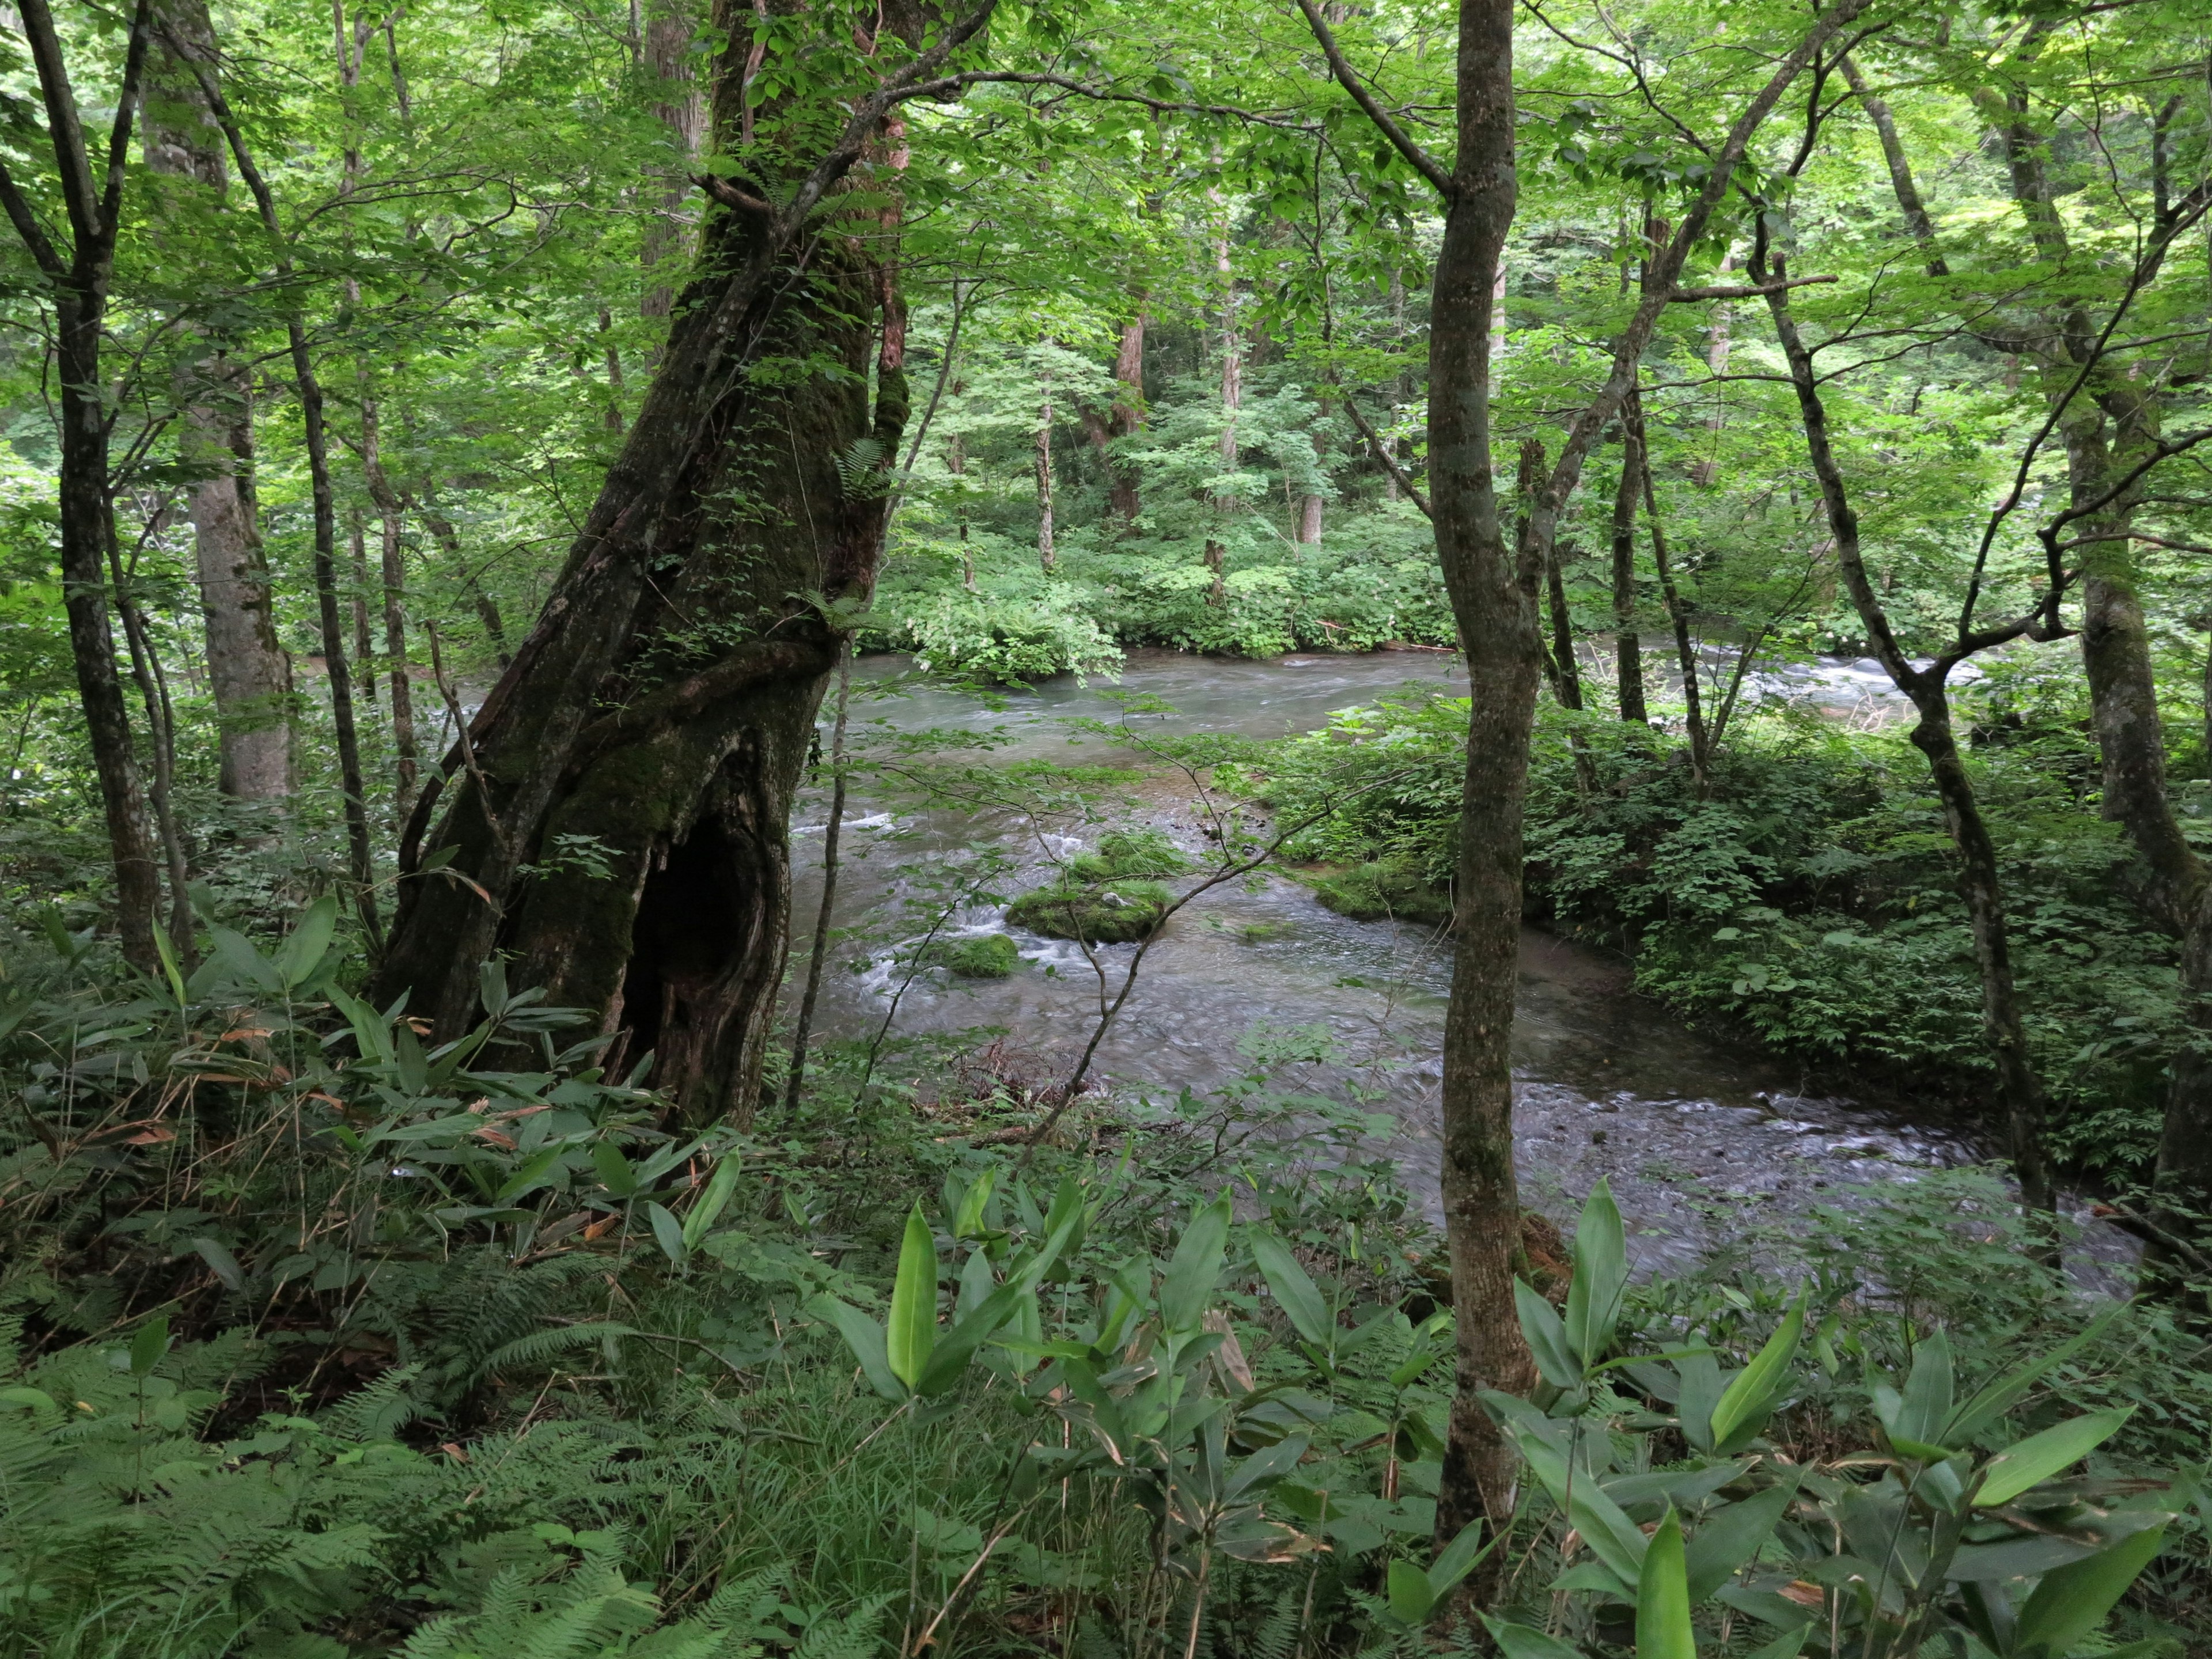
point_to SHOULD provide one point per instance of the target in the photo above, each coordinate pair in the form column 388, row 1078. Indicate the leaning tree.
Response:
column 612, row 819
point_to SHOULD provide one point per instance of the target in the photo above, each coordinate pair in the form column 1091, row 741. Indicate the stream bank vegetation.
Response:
column 432, row 1219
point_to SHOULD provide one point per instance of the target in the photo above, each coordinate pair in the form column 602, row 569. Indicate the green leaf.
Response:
column 2040, row 1457
column 1600, row 1253
column 1662, row 1597
column 301, row 956
column 613, row 1169
column 1731, row 1535
column 967, row 1220
column 912, row 1332
column 1998, row 1398
column 1301, row 1299
column 1519, row 1642
column 534, row 1174
column 1547, row 1339
column 147, row 1347
column 710, row 1204
column 668, row 1231
column 1926, row 1406
column 1457, row 1558
column 224, row 1263
column 1746, row 1402
column 170, row 971
column 1411, row 1600
column 1196, row 1267
column 1787, row 1646
column 865, row 1338
column 2072, row 1600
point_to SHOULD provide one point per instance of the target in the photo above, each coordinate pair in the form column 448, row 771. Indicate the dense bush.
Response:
column 1810, row 899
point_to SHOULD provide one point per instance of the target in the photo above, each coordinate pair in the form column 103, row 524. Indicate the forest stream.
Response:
column 1699, row 1137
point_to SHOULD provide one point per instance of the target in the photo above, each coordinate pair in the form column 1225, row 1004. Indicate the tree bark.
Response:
column 662, row 705
column 393, row 568
column 1046, row 556
column 665, row 57
column 249, row 673
column 1126, row 417
column 1627, row 649
column 80, row 281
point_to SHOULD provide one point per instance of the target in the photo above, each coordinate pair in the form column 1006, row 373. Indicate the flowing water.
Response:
column 1691, row 1130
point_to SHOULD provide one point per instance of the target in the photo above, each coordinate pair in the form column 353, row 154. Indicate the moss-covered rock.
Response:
column 1102, row 913
column 1383, row 892
column 986, row 956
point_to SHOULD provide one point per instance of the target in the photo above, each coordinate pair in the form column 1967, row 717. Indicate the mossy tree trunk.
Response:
column 615, row 821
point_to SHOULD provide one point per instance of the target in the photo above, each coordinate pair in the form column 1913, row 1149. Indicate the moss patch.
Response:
column 1103, row 912
column 1380, row 891
column 988, row 956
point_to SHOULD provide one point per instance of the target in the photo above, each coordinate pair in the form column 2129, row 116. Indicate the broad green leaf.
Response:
column 968, row 1219
column 1519, row 1642
column 1547, row 1338
column 1411, row 1600
column 2072, row 1600
column 300, row 958
column 1787, row 1646
column 1196, row 1267
column 613, row 1170
column 1731, row 1535
column 1926, row 1404
column 1662, row 1597
column 1264, row 1467
column 149, row 1345
column 708, row 1208
column 911, row 1331
column 1457, row 1558
column 1746, row 1402
column 976, row 1283
column 1301, row 1299
column 535, row 1172
column 2040, row 1457
column 667, row 1232
column 1600, row 1253
column 224, row 1263
column 865, row 1338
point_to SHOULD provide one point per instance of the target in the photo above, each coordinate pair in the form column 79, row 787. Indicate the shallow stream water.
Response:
column 1697, row 1136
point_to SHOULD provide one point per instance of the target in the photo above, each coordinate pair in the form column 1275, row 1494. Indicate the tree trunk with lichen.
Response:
column 616, row 824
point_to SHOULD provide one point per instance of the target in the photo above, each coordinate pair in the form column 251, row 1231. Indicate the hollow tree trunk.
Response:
column 676, row 747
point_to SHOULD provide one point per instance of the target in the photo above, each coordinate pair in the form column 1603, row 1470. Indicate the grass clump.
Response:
column 1125, row 853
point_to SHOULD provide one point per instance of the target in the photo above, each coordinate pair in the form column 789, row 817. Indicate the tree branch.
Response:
column 1389, row 462
column 1723, row 292
column 1423, row 162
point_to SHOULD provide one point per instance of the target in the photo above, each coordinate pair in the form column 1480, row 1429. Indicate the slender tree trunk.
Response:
column 1705, row 472
column 1126, row 417
column 2019, row 1091
column 364, row 652
column 79, row 276
column 161, row 734
column 1310, row 504
column 827, row 912
column 1627, row 648
column 1232, row 399
column 249, row 674
column 1494, row 603
column 393, row 568
column 1046, row 556
column 1677, row 613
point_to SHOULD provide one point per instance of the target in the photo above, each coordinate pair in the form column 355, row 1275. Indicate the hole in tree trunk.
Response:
column 697, row 915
